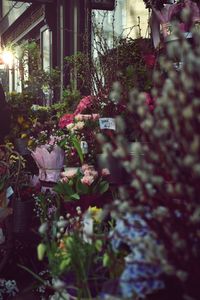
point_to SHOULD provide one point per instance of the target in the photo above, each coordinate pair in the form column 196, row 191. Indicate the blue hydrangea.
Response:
column 141, row 276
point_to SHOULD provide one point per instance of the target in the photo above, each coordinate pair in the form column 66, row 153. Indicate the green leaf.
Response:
column 62, row 143
column 103, row 187
column 63, row 188
column 65, row 264
column 77, row 146
column 75, row 196
column 106, row 260
column 41, row 249
column 98, row 245
column 81, row 188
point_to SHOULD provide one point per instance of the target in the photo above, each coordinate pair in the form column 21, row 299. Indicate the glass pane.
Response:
column 46, row 49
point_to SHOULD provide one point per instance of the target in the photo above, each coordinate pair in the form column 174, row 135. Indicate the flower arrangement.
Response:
column 73, row 252
column 85, row 128
column 51, row 146
column 84, row 181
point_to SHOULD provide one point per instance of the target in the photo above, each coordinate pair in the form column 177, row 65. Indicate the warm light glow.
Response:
column 7, row 57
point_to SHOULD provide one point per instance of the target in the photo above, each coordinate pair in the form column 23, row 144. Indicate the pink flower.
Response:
column 64, row 180
column 94, row 174
column 70, row 173
column 105, row 172
column 86, row 102
column 82, row 117
column 150, row 101
column 88, row 180
column 66, row 120
column 85, row 167
column 95, row 117
column 79, row 117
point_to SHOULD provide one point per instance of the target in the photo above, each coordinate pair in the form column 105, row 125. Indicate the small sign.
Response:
column 107, row 123
column 103, row 4
column 87, row 228
column 9, row 192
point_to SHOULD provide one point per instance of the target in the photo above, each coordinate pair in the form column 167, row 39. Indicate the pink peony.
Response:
column 88, row 180
column 105, row 172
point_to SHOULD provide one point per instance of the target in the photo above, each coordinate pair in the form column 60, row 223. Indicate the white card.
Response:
column 9, row 192
column 87, row 228
column 107, row 123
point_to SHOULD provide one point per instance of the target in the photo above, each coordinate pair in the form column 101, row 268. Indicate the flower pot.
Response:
column 21, row 146
column 22, row 215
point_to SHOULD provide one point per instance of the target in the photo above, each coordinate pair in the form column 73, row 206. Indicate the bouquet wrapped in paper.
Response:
column 49, row 163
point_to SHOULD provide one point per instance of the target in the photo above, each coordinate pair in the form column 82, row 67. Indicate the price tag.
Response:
column 9, row 192
column 107, row 123
column 87, row 228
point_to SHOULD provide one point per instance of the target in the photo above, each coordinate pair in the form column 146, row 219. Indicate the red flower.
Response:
column 150, row 101
column 149, row 60
column 66, row 120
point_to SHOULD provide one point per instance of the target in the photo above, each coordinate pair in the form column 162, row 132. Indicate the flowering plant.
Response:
column 84, row 127
column 50, row 135
column 84, row 181
column 72, row 254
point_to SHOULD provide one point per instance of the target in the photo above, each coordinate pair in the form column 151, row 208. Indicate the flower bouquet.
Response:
column 84, row 184
column 50, row 146
column 50, row 163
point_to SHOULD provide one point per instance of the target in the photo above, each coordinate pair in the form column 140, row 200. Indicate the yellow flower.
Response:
column 20, row 120
column 30, row 143
column 23, row 135
column 95, row 213
column 25, row 125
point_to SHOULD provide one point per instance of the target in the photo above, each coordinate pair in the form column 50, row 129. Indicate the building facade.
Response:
column 62, row 28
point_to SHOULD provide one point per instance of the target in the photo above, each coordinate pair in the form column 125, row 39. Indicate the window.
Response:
column 46, row 48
